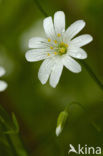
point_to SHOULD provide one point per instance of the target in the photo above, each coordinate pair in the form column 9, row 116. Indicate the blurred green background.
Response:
column 37, row 106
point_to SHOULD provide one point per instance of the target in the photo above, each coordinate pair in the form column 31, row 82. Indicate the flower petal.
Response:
column 81, row 40
column 37, row 42
column 49, row 27
column 71, row 64
column 56, row 73
column 77, row 53
column 36, row 55
column 59, row 22
column 2, row 71
column 45, row 70
column 74, row 29
column 3, row 85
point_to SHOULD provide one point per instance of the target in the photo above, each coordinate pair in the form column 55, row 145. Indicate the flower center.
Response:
column 62, row 48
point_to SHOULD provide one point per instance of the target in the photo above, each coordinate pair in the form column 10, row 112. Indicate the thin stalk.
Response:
column 11, row 145
column 14, row 140
column 92, row 122
column 86, row 66
column 92, row 74
column 15, row 143
column 40, row 8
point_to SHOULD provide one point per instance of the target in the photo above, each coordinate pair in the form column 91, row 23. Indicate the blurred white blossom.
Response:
column 3, row 84
column 58, row 49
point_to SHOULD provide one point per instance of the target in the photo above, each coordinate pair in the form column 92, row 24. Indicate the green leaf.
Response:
column 15, row 122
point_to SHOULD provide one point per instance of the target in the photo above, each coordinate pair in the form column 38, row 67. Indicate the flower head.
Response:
column 3, row 84
column 58, row 49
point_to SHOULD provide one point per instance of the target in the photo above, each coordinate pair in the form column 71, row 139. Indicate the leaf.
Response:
column 15, row 122
column 9, row 137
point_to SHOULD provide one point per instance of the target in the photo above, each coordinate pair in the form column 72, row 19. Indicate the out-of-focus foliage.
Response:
column 9, row 138
column 36, row 106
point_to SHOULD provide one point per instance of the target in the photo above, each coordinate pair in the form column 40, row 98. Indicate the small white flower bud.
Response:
column 61, row 121
column 58, row 130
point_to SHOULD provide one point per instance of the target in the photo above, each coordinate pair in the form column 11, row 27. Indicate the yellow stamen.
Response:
column 48, row 54
column 51, row 47
column 62, row 50
column 55, row 53
column 49, row 40
column 58, row 34
column 62, row 43
column 66, row 45
column 55, row 41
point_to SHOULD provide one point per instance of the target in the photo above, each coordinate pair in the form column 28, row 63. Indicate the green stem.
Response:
column 11, row 145
column 92, row 74
column 15, row 142
column 85, row 110
column 86, row 66
column 40, row 8
column 13, row 138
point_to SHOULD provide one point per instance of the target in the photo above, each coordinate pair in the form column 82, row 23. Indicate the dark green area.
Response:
column 36, row 106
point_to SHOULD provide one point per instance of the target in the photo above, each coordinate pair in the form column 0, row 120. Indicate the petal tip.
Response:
column 82, row 22
column 42, row 82
column 52, row 85
column 27, row 56
column 59, row 12
column 91, row 38
column 46, row 19
column 79, row 70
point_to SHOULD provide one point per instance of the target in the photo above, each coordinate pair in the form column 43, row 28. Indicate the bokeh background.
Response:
column 37, row 106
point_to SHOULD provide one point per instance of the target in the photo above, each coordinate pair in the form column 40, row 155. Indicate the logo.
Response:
column 84, row 149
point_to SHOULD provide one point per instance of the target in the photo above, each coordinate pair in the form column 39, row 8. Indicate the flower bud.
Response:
column 61, row 121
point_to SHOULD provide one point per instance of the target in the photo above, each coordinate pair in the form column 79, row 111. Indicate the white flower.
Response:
column 58, row 130
column 3, row 84
column 58, row 49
